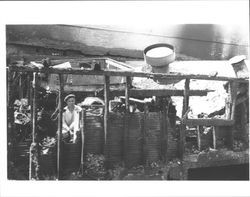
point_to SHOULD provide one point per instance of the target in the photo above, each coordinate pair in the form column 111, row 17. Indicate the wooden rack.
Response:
column 128, row 92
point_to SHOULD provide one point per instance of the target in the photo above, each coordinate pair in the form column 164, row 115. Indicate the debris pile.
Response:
column 94, row 167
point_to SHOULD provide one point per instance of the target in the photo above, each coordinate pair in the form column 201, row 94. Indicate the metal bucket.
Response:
column 239, row 66
column 159, row 56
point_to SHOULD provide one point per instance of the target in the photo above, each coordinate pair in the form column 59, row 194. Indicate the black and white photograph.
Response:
column 154, row 99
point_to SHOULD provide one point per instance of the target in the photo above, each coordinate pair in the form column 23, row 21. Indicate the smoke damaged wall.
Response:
column 202, row 41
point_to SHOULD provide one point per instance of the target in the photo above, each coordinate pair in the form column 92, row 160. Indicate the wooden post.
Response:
column 186, row 97
column 10, row 115
column 106, row 110
column 182, row 140
column 127, row 89
column 83, row 119
column 144, row 130
column 228, row 103
column 126, row 127
column 233, row 95
column 164, row 136
column 214, row 137
column 33, row 162
column 34, row 117
column 199, row 138
column 10, row 109
column 59, row 131
column 183, row 126
column 28, row 88
column 20, row 86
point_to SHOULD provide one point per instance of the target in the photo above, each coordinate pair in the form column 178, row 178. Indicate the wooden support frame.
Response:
column 59, row 132
column 128, row 74
column 77, row 71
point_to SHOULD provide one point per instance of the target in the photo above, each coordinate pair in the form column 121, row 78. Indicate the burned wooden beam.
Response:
column 34, row 109
column 159, row 92
column 59, row 139
column 83, row 130
column 106, row 111
column 79, row 71
column 164, row 131
column 182, row 141
column 33, row 153
column 20, row 85
column 186, row 97
column 199, row 137
column 126, row 126
column 143, row 133
column 214, row 138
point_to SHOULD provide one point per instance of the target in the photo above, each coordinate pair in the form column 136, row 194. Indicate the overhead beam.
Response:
column 159, row 92
column 78, row 71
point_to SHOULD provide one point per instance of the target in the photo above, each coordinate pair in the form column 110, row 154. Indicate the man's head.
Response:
column 70, row 100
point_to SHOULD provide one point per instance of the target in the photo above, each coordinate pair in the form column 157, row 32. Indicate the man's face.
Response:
column 71, row 102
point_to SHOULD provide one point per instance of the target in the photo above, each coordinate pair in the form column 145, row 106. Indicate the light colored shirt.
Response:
column 71, row 120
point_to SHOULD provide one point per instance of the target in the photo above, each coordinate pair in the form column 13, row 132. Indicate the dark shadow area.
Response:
column 211, row 42
column 232, row 172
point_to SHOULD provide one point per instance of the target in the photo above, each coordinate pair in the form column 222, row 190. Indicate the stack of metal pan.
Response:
column 48, row 162
column 134, row 140
column 206, row 139
column 94, row 135
column 115, row 136
column 153, row 142
column 172, row 149
column 22, row 149
column 71, row 156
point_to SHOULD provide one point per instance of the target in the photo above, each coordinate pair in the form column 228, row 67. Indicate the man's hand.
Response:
column 65, row 135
